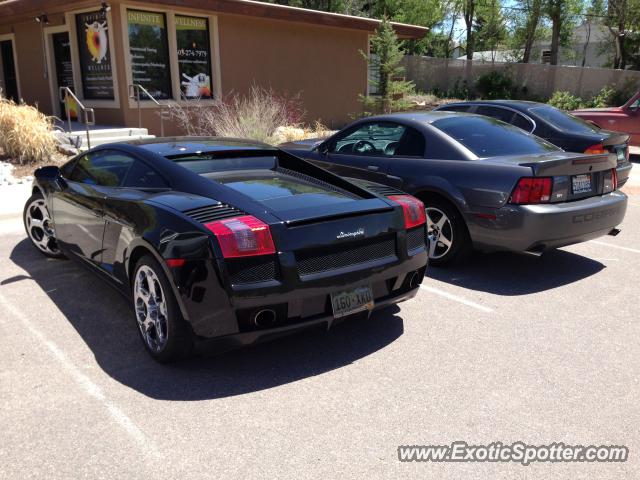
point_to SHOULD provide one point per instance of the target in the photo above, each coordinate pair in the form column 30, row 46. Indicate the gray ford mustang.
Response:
column 485, row 184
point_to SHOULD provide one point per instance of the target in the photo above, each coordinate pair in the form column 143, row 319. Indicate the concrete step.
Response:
column 103, row 140
column 110, row 132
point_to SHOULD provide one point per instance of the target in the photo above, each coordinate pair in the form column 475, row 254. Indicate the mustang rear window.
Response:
column 487, row 137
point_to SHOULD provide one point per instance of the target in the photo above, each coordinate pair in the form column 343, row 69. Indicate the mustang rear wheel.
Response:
column 164, row 332
column 39, row 226
column 447, row 232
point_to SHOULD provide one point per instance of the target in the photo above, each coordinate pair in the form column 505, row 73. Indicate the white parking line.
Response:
column 146, row 445
column 634, row 250
column 457, row 298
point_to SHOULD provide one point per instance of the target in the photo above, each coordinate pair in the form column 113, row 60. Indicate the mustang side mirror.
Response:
column 322, row 148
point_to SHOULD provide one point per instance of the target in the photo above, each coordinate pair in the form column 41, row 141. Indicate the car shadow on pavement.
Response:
column 511, row 274
column 103, row 319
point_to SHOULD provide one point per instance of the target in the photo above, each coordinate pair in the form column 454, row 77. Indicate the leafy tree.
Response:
column 622, row 18
column 385, row 58
column 469, row 8
column 489, row 28
column 563, row 15
column 533, row 9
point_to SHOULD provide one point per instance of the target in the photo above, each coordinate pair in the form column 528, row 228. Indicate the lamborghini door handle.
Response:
column 373, row 168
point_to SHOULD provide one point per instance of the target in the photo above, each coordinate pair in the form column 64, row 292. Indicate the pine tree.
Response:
column 385, row 58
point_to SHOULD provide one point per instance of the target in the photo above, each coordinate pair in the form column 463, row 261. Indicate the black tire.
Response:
column 37, row 235
column 461, row 245
column 179, row 337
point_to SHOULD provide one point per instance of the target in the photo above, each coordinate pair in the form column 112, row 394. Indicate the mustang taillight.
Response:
column 244, row 236
column 412, row 208
column 596, row 149
column 610, row 181
column 532, row 190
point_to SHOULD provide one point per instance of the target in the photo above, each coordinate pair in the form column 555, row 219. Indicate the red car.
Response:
column 619, row 119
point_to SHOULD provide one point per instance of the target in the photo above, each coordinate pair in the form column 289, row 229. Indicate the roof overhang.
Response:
column 12, row 10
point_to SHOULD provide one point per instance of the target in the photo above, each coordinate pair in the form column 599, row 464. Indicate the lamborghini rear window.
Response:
column 487, row 137
column 203, row 164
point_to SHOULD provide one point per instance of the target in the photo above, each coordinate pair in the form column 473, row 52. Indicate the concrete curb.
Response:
column 12, row 199
column 10, row 216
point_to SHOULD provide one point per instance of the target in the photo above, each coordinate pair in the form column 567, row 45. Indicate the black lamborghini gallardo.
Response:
column 228, row 241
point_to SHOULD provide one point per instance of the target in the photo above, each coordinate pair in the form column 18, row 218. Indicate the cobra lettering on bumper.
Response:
column 587, row 217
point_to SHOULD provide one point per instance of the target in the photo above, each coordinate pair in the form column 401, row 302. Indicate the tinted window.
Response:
column 522, row 122
column 456, row 108
column 101, row 168
column 142, row 176
column 375, row 138
column 486, row 137
column 564, row 121
column 496, row 112
column 66, row 169
column 205, row 164
column 411, row 144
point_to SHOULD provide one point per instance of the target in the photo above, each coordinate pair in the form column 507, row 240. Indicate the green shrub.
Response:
column 460, row 90
column 604, row 98
column 624, row 92
column 495, row 85
column 565, row 100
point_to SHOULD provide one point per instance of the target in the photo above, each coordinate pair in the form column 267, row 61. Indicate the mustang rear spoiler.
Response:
column 556, row 165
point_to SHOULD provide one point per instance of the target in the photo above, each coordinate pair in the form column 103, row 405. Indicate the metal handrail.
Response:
column 134, row 93
column 88, row 114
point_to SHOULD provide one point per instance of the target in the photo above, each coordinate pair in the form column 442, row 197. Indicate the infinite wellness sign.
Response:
column 149, row 52
column 95, row 60
column 194, row 56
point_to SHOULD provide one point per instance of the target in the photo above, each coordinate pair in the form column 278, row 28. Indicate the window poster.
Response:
column 95, row 60
column 149, row 52
column 194, row 56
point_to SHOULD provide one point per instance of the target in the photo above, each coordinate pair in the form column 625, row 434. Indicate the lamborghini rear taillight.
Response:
column 175, row 262
column 532, row 190
column 596, row 149
column 244, row 236
column 412, row 208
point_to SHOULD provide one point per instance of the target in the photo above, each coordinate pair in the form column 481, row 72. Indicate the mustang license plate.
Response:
column 621, row 153
column 351, row 301
column 581, row 183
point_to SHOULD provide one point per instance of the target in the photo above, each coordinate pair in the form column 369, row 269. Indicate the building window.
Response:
column 149, row 52
column 95, row 58
column 545, row 56
column 373, row 72
column 194, row 56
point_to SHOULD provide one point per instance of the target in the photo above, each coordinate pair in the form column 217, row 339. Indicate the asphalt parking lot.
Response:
column 504, row 348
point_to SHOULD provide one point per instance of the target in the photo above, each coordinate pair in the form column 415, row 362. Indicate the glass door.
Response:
column 9, row 79
column 63, row 69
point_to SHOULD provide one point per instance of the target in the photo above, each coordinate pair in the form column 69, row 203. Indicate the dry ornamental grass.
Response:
column 261, row 115
column 26, row 134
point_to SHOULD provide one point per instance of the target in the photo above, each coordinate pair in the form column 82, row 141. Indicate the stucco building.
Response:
column 180, row 51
